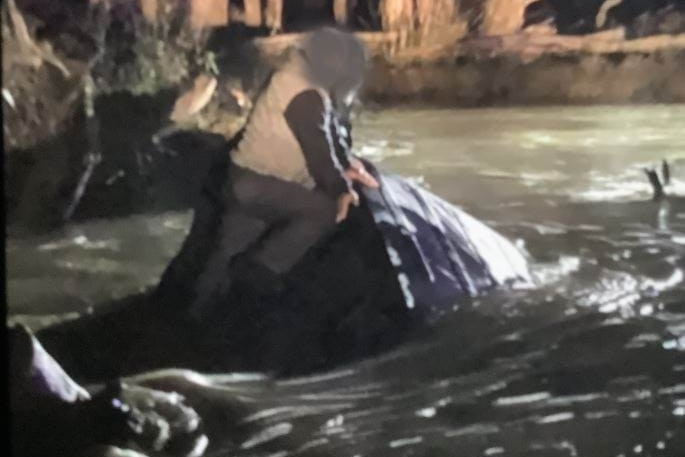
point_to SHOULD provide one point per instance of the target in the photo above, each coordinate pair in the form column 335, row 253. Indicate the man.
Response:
column 291, row 173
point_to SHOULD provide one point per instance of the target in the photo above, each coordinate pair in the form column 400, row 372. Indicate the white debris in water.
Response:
column 476, row 429
column 267, row 413
column 673, row 390
column 642, row 339
column 112, row 179
column 589, row 228
column 632, row 186
column 405, row 442
column 549, row 273
column 426, row 412
column 522, row 399
column 444, row 401
column 570, row 399
column 554, row 418
column 646, row 310
column 236, row 378
column 312, row 444
column 661, row 445
column 80, row 241
column 670, row 345
column 492, row 387
column 268, row 434
column 100, row 265
column 379, row 150
column 638, row 449
column 679, row 411
column 672, row 281
column 176, row 221
column 531, row 179
column 419, row 181
column 279, row 454
column 337, row 421
column 549, row 229
column 636, row 395
column 494, row 451
column 566, row 445
column 200, row 447
column 594, row 415
column 570, row 312
column 569, row 264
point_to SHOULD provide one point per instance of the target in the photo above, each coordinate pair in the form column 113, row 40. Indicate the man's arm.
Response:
column 311, row 120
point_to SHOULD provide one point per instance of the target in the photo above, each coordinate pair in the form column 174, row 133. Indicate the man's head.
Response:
column 336, row 60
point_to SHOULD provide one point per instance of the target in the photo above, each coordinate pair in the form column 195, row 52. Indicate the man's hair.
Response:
column 334, row 56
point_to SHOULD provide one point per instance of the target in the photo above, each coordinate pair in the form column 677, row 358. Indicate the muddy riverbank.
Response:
column 508, row 80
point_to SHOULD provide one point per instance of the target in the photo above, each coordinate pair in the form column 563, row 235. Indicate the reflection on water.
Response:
column 87, row 264
column 591, row 363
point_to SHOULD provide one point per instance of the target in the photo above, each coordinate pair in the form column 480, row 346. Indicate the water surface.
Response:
column 590, row 363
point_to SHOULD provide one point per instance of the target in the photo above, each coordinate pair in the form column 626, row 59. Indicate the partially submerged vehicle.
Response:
column 441, row 254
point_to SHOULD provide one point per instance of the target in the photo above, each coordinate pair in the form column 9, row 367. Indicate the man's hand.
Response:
column 357, row 172
column 344, row 202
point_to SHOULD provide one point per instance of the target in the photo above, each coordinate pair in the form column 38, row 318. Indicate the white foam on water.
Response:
column 554, row 418
column 405, row 442
column 475, row 429
column 548, row 273
column 83, row 242
column 268, row 434
column 426, row 412
column 522, row 399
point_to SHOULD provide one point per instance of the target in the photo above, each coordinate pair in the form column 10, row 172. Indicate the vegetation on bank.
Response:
column 91, row 87
column 143, row 46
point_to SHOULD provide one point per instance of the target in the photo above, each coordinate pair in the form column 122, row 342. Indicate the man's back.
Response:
column 269, row 145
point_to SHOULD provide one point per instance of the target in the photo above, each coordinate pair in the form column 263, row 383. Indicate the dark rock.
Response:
column 134, row 175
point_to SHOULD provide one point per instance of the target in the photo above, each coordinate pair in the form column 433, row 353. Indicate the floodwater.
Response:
column 589, row 363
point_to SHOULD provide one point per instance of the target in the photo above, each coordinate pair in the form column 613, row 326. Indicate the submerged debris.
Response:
column 658, row 183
